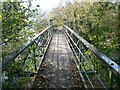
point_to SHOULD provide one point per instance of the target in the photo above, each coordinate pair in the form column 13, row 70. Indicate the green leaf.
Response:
column 38, row 5
column 33, row 10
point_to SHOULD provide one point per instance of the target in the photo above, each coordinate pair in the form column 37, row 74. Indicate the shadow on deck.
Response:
column 58, row 69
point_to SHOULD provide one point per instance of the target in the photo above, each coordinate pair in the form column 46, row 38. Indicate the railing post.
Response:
column 111, row 79
column 50, row 31
column 65, row 21
column 51, row 21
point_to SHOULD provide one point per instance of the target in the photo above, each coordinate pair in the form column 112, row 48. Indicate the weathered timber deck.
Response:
column 58, row 69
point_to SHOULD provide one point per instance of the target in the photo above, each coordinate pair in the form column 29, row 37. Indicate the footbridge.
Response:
column 60, row 59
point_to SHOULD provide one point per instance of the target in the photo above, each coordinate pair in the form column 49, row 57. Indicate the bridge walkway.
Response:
column 58, row 69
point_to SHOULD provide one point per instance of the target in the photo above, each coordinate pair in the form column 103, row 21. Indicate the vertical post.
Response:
column 111, row 79
column 51, row 29
column 65, row 21
column 51, row 21
column 34, row 48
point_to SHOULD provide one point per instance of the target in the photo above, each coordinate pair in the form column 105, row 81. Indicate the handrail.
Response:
column 103, row 57
column 88, row 60
column 16, row 53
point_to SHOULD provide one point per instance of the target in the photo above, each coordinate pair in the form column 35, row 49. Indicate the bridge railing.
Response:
column 26, row 61
column 96, row 69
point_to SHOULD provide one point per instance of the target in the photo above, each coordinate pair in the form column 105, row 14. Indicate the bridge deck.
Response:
column 58, row 69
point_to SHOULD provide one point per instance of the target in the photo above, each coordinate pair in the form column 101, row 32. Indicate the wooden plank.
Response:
column 58, row 69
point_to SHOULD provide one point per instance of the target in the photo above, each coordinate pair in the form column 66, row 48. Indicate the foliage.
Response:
column 97, row 22
column 17, row 26
column 20, row 23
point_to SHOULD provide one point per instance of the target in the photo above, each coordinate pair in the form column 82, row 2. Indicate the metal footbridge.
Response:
column 61, row 59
